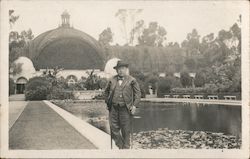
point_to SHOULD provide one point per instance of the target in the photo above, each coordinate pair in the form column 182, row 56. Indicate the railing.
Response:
column 219, row 96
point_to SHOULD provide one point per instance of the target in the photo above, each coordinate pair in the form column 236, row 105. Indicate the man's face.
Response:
column 122, row 71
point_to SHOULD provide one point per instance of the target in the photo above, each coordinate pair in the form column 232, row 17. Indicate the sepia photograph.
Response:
column 124, row 79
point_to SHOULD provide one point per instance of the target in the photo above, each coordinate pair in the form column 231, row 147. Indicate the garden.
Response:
column 95, row 113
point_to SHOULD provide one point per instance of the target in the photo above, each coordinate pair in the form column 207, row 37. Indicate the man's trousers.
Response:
column 119, row 120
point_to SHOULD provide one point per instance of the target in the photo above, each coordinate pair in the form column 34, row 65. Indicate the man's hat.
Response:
column 120, row 64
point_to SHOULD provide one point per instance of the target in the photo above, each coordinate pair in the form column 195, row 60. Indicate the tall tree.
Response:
column 12, row 18
column 192, row 43
column 136, row 32
column 127, row 18
column 154, row 35
column 105, row 38
column 18, row 43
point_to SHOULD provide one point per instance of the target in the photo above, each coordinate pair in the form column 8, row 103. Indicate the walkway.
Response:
column 16, row 106
column 15, row 110
column 17, row 97
column 41, row 128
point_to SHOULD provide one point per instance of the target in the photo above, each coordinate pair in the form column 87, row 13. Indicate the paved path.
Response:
column 40, row 127
column 17, row 104
column 15, row 110
column 17, row 97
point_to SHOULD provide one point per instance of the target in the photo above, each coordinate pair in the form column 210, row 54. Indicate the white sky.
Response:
column 92, row 17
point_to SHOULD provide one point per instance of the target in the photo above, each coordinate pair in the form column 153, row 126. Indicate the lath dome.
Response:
column 66, row 47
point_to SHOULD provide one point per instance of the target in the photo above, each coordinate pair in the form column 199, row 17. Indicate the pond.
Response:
column 171, row 125
column 188, row 116
column 176, row 116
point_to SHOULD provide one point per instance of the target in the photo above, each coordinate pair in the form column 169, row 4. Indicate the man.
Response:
column 122, row 94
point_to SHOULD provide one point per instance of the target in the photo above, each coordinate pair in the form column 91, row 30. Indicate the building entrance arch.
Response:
column 20, row 85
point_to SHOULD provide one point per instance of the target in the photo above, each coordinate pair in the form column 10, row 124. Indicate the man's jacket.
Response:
column 129, row 87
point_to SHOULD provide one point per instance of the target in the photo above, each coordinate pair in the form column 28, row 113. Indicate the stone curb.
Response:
column 201, row 101
column 99, row 138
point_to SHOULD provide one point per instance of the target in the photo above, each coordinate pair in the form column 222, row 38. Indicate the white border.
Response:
column 179, row 153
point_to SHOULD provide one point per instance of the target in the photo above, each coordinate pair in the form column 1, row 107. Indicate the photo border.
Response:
column 148, row 153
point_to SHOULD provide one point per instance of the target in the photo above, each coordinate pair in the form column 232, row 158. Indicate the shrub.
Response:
column 56, row 93
column 11, row 86
column 166, row 84
column 102, row 82
column 199, row 80
column 37, row 88
column 211, row 88
column 185, row 79
column 189, row 90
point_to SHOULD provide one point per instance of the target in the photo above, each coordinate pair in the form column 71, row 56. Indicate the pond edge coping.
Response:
column 99, row 138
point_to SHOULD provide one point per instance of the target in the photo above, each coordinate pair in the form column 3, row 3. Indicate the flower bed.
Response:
column 181, row 139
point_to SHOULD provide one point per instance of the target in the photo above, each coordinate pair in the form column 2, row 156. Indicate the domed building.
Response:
column 74, row 52
column 109, row 67
column 67, row 48
column 26, row 71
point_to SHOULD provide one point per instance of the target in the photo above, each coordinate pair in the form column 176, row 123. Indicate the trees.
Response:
column 11, row 86
column 105, row 38
column 18, row 42
column 199, row 80
column 127, row 18
column 192, row 43
column 37, row 88
column 154, row 35
column 136, row 32
column 12, row 18
column 186, row 80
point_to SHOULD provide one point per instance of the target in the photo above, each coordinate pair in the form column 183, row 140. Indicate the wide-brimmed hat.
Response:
column 120, row 64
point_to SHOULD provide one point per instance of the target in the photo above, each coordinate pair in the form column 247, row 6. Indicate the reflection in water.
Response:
column 189, row 116
column 182, row 116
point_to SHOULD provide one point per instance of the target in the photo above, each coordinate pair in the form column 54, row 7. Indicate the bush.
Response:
column 37, row 88
column 166, row 84
column 186, row 80
column 57, row 93
column 11, row 86
column 189, row 90
column 211, row 88
column 199, row 80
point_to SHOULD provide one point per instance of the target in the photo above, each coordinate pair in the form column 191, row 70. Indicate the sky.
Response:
column 92, row 17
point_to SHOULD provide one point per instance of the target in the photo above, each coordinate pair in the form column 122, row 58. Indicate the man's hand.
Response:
column 132, row 109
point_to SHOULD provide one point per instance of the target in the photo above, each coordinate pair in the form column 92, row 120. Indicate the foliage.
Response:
column 166, row 84
column 127, row 18
column 199, row 80
column 154, row 35
column 189, row 90
column 12, row 18
column 91, row 81
column 136, row 32
column 11, row 86
column 186, row 80
column 140, row 78
column 216, row 59
column 18, row 42
column 106, row 37
column 37, row 88
column 191, row 44
column 148, row 58
column 16, row 68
